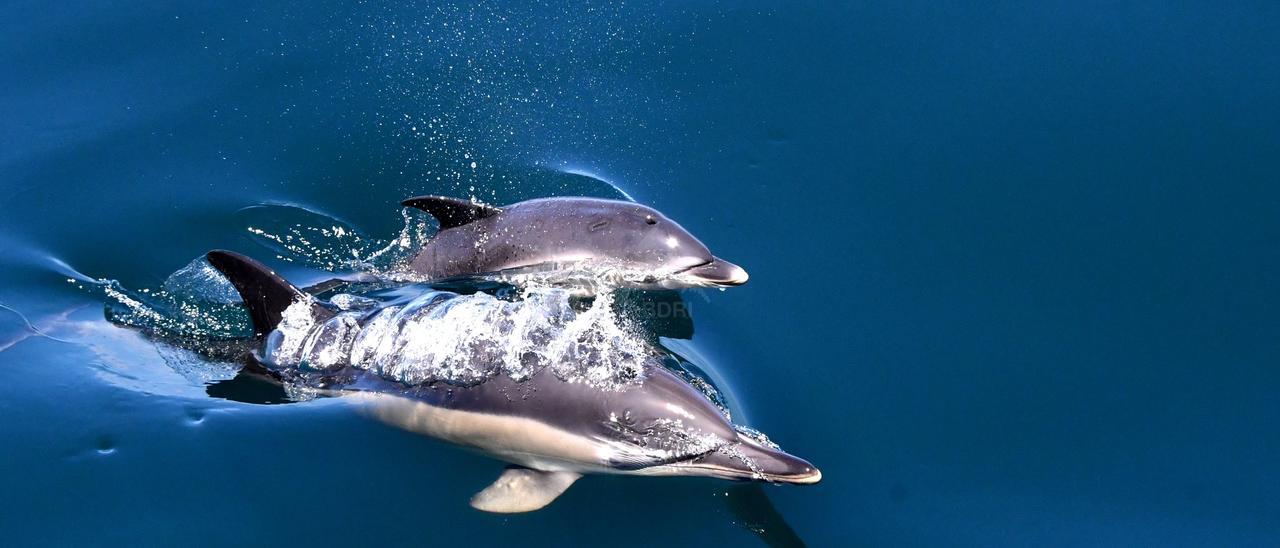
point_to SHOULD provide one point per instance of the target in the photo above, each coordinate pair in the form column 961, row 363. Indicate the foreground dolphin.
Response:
column 551, row 234
column 552, row 429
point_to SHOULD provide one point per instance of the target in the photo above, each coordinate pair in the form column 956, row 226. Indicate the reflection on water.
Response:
column 253, row 384
column 753, row 511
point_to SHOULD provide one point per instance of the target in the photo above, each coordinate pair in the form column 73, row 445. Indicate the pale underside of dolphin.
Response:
column 551, row 430
column 552, row 234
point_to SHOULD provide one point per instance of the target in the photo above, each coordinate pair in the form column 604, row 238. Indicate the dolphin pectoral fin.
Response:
column 521, row 489
column 451, row 212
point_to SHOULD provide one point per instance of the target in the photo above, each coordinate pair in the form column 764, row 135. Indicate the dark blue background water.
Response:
column 1013, row 267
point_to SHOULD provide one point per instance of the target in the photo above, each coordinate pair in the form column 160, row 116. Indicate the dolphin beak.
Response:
column 751, row 461
column 719, row 272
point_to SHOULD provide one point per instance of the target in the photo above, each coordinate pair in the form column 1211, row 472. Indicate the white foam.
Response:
column 464, row 339
column 285, row 344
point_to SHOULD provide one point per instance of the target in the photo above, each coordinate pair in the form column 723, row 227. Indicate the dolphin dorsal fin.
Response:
column 521, row 489
column 451, row 212
column 265, row 293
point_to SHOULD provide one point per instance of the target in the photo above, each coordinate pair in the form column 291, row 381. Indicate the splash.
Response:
column 466, row 339
column 733, row 451
column 195, row 302
column 459, row 89
column 663, row 440
column 756, row 436
column 302, row 235
column 592, row 276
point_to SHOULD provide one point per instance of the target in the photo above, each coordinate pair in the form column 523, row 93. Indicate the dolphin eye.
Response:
column 648, row 219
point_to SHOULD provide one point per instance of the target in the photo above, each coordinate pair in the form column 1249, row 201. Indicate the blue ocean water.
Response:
column 1013, row 267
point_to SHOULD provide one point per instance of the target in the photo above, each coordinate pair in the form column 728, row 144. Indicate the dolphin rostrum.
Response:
column 493, row 376
column 640, row 244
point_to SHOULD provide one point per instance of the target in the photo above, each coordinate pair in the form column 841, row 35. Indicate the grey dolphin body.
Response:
column 551, row 429
column 554, row 233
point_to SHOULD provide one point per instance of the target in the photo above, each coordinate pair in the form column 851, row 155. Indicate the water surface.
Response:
column 1012, row 267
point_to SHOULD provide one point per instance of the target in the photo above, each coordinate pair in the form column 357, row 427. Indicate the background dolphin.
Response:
column 551, row 429
column 639, row 243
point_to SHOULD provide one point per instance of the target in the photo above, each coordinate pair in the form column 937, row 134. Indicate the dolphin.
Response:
column 639, row 244
column 550, row 429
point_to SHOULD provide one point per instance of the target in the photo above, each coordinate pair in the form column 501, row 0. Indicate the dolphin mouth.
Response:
column 717, row 272
column 750, row 461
